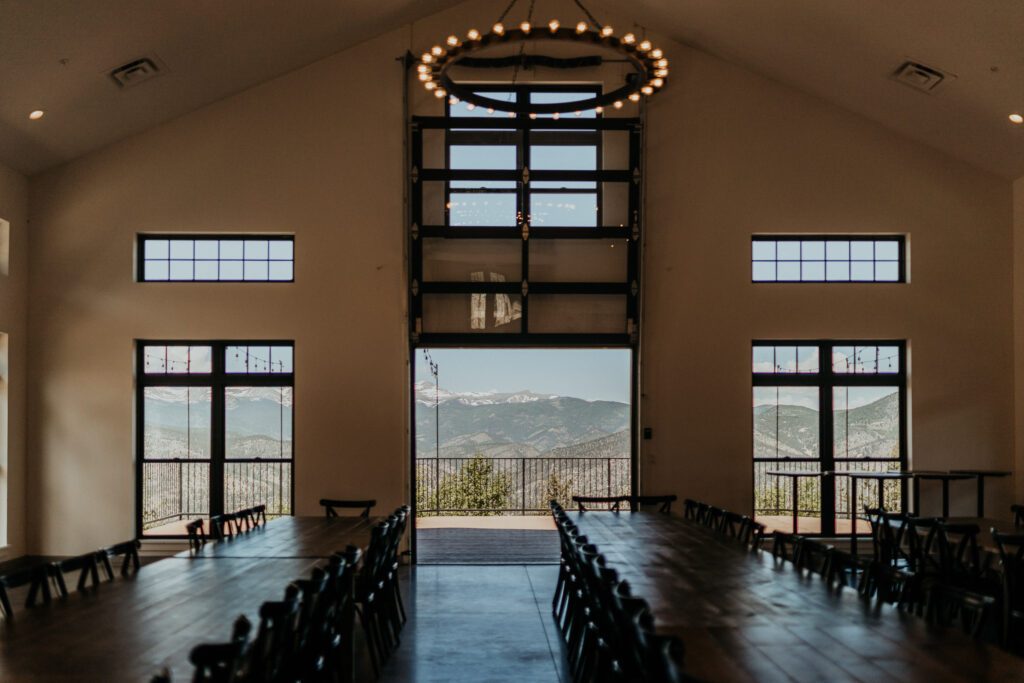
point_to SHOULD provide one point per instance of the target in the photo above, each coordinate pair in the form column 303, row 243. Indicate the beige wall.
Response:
column 13, row 289
column 296, row 155
column 730, row 154
column 1018, row 317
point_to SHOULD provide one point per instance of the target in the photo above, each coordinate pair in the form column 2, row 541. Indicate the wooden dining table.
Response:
column 126, row 630
column 746, row 616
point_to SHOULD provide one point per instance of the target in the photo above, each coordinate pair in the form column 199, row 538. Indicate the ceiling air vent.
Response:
column 921, row 77
column 136, row 71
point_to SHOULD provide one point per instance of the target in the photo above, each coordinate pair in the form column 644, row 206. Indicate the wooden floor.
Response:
column 486, row 546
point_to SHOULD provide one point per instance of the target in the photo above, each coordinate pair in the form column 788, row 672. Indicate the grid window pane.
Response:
column 189, row 259
column 826, row 260
column 763, row 250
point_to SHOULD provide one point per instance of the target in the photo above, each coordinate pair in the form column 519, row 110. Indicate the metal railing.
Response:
column 180, row 490
column 774, row 495
column 513, row 486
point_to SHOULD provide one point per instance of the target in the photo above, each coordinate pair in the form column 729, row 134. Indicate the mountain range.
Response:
column 870, row 431
column 519, row 424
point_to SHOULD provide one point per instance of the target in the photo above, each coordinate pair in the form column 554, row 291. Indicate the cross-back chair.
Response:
column 86, row 566
column 612, row 503
column 196, row 537
column 332, row 505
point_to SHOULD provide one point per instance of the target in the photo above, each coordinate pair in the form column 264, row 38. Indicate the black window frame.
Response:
column 520, row 130
column 142, row 238
column 218, row 379
column 900, row 241
column 825, row 380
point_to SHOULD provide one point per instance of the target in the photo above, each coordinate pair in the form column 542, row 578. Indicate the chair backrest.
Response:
column 272, row 646
column 196, row 537
column 130, row 563
column 690, row 509
column 920, row 539
column 713, row 517
column 245, row 518
column 611, row 503
column 1018, row 514
column 1011, row 558
column 331, row 505
column 221, row 662
column 37, row 578
column 222, row 526
column 958, row 550
column 259, row 514
column 731, row 524
column 751, row 533
column 86, row 565
column 664, row 503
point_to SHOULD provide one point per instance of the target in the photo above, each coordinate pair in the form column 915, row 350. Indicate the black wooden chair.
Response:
column 787, row 546
column 331, row 506
column 815, row 557
column 222, row 526
column 369, row 594
column 731, row 524
column 713, row 517
column 129, row 550
column 37, row 579
column 221, row 662
column 246, row 519
column 664, row 503
column 751, row 533
column 87, row 567
column 961, row 592
column 196, row 537
column 612, row 503
column 271, row 650
column 690, row 509
column 259, row 514
column 1011, row 559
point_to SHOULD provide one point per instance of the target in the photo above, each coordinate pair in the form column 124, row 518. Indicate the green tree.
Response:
column 558, row 489
column 476, row 489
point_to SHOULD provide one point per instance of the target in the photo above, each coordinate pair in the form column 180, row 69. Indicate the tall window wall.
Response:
column 214, row 430
column 524, row 229
column 826, row 406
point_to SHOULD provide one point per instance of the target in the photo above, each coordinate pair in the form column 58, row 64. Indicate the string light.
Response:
column 648, row 61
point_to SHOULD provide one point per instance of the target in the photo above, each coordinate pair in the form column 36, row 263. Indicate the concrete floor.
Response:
column 478, row 623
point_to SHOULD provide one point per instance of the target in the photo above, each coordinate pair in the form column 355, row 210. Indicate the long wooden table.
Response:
column 129, row 628
column 747, row 617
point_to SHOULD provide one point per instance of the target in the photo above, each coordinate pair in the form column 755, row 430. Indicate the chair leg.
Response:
column 5, row 603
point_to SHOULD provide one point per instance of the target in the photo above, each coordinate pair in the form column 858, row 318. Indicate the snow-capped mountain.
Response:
column 425, row 395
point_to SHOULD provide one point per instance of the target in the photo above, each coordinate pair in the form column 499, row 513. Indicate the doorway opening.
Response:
column 498, row 432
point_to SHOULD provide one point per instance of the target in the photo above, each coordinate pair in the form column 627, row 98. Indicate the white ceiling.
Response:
column 840, row 50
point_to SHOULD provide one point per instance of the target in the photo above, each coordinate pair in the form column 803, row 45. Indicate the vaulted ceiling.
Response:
column 56, row 55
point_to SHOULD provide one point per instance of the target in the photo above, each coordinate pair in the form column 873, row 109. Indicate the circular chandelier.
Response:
column 648, row 75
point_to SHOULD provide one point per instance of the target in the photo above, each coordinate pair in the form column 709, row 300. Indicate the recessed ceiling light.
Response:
column 37, row 114
column 1017, row 118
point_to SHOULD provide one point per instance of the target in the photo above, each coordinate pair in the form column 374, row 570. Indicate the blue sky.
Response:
column 591, row 374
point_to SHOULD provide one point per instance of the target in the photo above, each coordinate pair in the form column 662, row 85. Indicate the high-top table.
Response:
column 928, row 475
column 796, row 475
column 126, row 630
column 745, row 616
column 980, row 476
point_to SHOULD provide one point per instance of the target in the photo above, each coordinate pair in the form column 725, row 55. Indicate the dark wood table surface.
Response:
column 748, row 617
column 127, row 629
column 294, row 537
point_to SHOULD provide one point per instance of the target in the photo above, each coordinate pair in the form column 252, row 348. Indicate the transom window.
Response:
column 827, row 259
column 203, row 258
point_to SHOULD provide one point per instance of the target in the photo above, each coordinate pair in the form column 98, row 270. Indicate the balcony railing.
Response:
column 513, row 486
column 774, row 495
column 179, row 490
